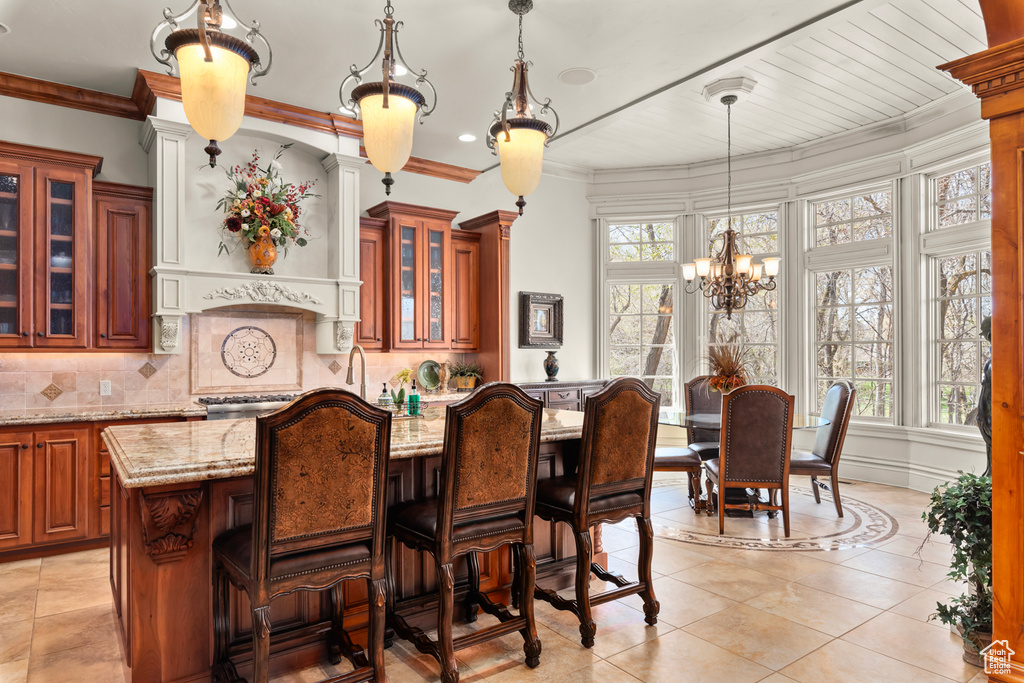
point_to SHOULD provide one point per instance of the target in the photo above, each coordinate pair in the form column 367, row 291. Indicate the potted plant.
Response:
column 728, row 365
column 466, row 375
column 399, row 380
column 962, row 510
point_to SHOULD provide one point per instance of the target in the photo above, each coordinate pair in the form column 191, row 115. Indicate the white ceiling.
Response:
column 870, row 61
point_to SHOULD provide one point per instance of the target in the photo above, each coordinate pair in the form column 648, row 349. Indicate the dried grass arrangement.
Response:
column 727, row 363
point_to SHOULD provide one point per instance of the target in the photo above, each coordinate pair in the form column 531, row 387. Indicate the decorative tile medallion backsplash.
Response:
column 264, row 354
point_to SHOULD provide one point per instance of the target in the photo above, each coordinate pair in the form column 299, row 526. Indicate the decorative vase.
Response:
column 551, row 367
column 444, row 375
column 263, row 254
column 465, row 383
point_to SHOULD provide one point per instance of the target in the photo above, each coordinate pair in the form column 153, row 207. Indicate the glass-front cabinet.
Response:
column 62, row 203
column 16, row 233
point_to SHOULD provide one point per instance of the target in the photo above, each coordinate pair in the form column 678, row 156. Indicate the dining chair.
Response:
column 701, row 398
column 680, row 459
column 612, row 483
column 486, row 496
column 757, row 433
column 318, row 519
column 823, row 459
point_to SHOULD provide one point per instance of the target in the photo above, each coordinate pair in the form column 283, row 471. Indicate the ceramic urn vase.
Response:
column 263, row 254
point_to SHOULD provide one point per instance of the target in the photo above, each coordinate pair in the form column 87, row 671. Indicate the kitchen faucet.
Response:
column 362, row 368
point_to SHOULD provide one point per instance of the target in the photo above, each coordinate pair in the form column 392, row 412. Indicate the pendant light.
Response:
column 387, row 108
column 728, row 278
column 213, row 67
column 516, row 135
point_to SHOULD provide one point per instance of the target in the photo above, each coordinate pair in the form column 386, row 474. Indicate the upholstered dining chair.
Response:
column 612, row 483
column 701, row 398
column 318, row 519
column 823, row 460
column 486, row 496
column 680, row 459
column 757, row 434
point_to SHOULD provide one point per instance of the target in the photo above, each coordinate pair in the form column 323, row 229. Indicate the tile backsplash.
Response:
column 65, row 382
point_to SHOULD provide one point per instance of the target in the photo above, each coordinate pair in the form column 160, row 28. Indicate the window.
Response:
column 964, row 299
column 634, row 242
column 853, row 219
column 964, row 197
column 854, row 335
column 641, row 338
column 756, row 326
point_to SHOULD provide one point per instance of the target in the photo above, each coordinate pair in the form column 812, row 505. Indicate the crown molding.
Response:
column 386, row 208
column 87, row 162
column 47, row 92
column 102, row 188
column 435, row 169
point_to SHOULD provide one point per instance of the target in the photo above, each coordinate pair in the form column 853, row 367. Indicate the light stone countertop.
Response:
column 183, row 452
column 102, row 414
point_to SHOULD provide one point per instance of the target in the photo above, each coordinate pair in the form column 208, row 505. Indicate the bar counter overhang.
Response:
column 178, row 486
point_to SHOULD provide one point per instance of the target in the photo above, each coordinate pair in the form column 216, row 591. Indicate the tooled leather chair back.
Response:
column 700, row 398
column 757, row 430
column 838, row 406
column 489, row 465
column 321, row 473
column 620, row 431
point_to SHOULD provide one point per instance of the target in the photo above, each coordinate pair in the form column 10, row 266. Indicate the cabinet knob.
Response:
column 24, row 334
column 24, row 446
column 39, row 445
column 103, row 335
column 378, row 338
column 39, row 334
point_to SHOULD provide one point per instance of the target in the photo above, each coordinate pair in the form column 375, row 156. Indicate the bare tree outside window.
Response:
column 636, row 242
column 756, row 326
column 853, row 219
column 964, row 299
column 964, row 197
column 641, row 339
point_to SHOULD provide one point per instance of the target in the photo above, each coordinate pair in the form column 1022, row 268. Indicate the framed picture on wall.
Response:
column 540, row 320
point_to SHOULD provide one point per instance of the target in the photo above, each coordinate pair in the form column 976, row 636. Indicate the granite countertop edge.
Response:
column 101, row 415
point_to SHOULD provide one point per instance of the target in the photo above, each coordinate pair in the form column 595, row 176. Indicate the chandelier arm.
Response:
column 421, row 77
column 694, row 286
column 203, row 27
column 170, row 20
column 356, row 74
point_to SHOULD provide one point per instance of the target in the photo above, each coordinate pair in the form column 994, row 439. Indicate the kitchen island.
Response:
column 178, row 486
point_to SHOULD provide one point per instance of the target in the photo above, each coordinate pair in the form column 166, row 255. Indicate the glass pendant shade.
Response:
column 689, row 271
column 743, row 263
column 388, row 131
column 522, row 154
column 703, row 266
column 771, row 266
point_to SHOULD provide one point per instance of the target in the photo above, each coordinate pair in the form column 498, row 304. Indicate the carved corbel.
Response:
column 169, row 523
column 344, row 331
column 170, row 332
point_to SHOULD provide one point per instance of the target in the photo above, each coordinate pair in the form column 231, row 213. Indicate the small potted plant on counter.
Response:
column 962, row 510
column 399, row 380
column 466, row 375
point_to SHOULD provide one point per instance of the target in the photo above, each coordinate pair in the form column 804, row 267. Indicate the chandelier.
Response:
column 387, row 108
column 213, row 67
column 516, row 135
column 728, row 278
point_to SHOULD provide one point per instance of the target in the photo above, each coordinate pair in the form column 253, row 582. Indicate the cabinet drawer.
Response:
column 104, row 491
column 539, row 395
column 563, row 405
column 105, row 521
column 563, row 395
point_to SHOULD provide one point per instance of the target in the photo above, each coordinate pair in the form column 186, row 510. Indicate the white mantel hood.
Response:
column 187, row 280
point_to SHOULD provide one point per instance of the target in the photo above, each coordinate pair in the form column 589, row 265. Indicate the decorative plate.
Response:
column 427, row 375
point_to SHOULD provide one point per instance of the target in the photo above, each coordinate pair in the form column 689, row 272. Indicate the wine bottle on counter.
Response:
column 414, row 400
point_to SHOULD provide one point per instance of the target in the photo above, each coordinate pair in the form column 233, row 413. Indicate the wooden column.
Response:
column 997, row 77
column 495, row 230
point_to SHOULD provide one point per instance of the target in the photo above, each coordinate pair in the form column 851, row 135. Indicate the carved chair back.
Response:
column 838, row 406
column 489, row 463
column 620, row 431
column 757, row 433
column 321, row 474
column 700, row 398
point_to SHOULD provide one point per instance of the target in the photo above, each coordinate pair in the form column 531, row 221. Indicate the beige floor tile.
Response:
column 14, row 672
column 598, row 672
column 765, row 638
column 15, row 641
column 680, row 602
column 624, row 562
column 905, row 569
column 865, row 587
column 729, row 580
column 67, row 596
column 776, row 678
column 66, row 630
column 925, row 646
column 504, row 656
column 19, row 579
column 815, row 609
column 619, row 626
column 843, row 662
column 921, row 606
column 17, row 606
column 404, row 664
column 669, row 557
column 17, row 565
column 615, row 539
column 839, row 556
column 932, row 551
column 92, row 564
column 951, row 588
column 87, row 664
column 683, row 658
column 313, row 674
column 785, row 565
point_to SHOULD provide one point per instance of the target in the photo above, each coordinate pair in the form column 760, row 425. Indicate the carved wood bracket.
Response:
column 169, row 523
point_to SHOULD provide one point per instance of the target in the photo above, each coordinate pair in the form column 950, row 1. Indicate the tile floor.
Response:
column 727, row 615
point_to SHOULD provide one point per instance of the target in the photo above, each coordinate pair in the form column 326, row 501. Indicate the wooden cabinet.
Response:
column 369, row 331
column 123, row 254
column 429, row 292
column 16, row 263
column 15, row 489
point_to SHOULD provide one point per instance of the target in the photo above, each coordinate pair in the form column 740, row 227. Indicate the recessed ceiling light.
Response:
column 467, row 137
column 578, row 75
column 4, row 29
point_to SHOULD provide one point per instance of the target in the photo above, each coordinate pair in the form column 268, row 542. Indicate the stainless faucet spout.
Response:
column 349, row 379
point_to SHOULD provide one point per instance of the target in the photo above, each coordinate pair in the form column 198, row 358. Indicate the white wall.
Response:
column 45, row 125
column 552, row 251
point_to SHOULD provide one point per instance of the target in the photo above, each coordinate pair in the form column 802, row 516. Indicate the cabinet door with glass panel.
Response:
column 61, row 245
column 16, row 261
column 420, row 272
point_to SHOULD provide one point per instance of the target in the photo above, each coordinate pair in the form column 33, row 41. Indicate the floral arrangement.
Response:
column 727, row 363
column 262, row 204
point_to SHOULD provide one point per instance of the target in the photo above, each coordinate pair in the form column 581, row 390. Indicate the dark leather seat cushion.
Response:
column 235, row 546
column 420, row 519
column 560, row 493
column 705, row 450
column 801, row 461
column 712, row 467
column 675, row 457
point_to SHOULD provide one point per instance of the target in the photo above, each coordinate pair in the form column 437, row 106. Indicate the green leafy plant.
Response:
column 962, row 510
column 400, row 378
column 459, row 369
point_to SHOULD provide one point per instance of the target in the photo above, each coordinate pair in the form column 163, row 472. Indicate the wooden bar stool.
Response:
column 612, row 483
column 485, row 499
column 318, row 519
